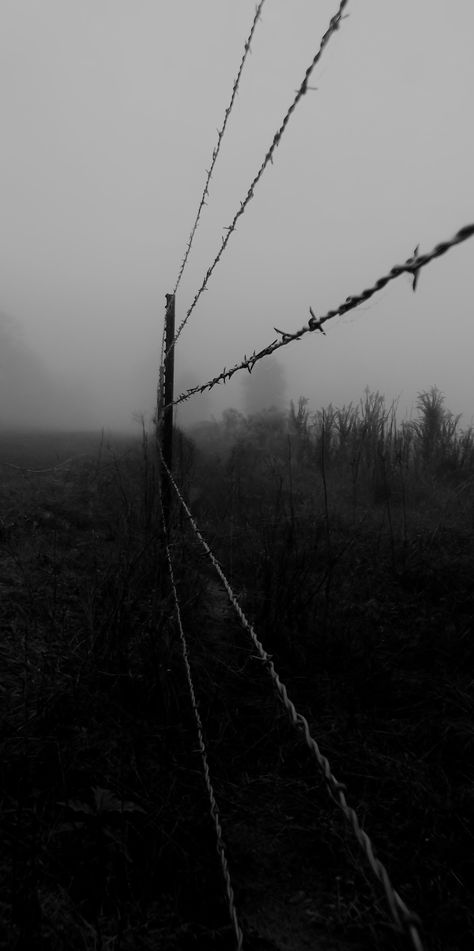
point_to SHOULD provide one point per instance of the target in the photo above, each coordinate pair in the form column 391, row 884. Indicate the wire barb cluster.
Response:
column 412, row 266
column 220, row 136
column 214, row 810
column 406, row 921
column 303, row 88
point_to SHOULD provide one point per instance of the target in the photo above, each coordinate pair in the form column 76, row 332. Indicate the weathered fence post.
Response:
column 167, row 447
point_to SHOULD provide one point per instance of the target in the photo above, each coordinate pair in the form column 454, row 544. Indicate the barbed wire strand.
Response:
column 214, row 810
column 406, row 921
column 220, row 136
column 301, row 91
column 412, row 266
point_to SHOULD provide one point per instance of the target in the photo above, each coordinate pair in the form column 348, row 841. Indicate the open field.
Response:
column 95, row 829
column 349, row 540
column 353, row 557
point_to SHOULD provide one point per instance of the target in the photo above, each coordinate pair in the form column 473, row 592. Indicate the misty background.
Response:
column 110, row 111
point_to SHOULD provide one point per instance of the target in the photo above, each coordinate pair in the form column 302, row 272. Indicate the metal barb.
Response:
column 284, row 333
column 416, row 273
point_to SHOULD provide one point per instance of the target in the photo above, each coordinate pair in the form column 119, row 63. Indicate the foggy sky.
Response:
column 109, row 114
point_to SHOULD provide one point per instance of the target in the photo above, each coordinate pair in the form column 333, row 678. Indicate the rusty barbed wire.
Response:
column 214, row 810
column 406, row 921
column 301, row 91
column 412, row 265
column 220, row 136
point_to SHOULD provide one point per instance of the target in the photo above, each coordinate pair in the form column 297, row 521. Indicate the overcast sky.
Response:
column 109, row 115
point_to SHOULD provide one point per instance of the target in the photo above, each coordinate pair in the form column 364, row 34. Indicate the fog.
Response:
column 110, row 111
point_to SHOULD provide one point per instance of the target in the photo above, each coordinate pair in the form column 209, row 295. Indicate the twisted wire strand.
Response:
column 406, row 920
column 411, row 266
column 220, row 136
column 303, row 88
column 214, row 810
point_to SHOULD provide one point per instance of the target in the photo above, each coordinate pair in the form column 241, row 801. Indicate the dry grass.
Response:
column 349, row 541
column 353, row 544
column 102, row 816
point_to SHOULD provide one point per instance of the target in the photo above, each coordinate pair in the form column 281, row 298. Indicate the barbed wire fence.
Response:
column 213, row 807
column 411, row 266
column 334, row 25
column 406, row 921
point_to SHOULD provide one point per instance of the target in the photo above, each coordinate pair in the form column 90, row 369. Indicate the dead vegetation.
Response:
column 348, row 539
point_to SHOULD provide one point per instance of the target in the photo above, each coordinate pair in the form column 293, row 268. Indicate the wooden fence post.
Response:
column 168, row 401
